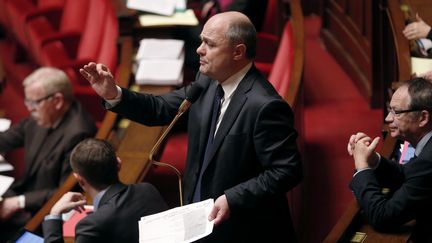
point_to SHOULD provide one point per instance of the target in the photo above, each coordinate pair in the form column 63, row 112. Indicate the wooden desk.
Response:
column 137, row 143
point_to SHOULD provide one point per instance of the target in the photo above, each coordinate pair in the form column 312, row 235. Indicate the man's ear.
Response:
column 81, row 181
column 118, row 163
column 424, row 118
column 239, row 52
column 59, row 99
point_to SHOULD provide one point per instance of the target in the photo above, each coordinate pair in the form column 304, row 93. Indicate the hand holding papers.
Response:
column 182, row 224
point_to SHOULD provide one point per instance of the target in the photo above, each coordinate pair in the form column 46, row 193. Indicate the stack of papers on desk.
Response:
column 186, row 18
column 162, row 7
column 160, row 62
column 178, row 225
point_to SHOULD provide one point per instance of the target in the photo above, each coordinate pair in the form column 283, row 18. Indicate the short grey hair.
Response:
column 52, row 79
column 243, row 32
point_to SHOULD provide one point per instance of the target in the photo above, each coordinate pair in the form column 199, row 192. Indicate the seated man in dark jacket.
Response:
column 118, row 207
column 56, row 124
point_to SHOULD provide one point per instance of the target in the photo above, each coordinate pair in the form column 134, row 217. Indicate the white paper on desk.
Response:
column 186, row 18
column 178, row 225
column 420, row 66
column 4, row 124
column 160, row 49
column 160, row 72
column 163, row 7
column 5, row 182
column 4, row 165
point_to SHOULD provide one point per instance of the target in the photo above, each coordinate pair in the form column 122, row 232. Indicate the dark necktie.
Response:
column 215, row 114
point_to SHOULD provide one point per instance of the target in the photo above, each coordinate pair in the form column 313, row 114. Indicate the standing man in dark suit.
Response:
column 245, row 155
column 57, row 123
column 410, row 185
column 117, row 207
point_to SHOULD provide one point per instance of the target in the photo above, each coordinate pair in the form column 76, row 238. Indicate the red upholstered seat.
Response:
column 19, row 11
column 268, row 38
column 41, row 28
column 97, row 43
column 280, row 74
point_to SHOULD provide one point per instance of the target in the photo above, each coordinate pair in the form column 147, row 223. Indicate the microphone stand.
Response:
column 183, row 107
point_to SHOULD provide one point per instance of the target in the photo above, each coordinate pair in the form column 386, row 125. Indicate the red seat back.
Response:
column 280, row 73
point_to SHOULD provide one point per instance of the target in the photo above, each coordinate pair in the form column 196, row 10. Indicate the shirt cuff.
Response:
column 370, row 168
column 53, row 217
column 21, row 201
column 113, row 102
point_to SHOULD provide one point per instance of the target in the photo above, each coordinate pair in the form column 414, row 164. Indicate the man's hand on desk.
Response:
column 101, row 80
column 69, row 201
column 8, row 207
column 220, row 211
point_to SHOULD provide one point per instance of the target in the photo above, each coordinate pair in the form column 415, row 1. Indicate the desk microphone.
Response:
column 192, row 95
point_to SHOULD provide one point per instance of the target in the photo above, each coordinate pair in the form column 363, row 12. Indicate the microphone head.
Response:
column 194, row 92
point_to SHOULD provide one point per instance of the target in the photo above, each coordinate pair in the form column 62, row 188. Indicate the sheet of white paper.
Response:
column 4, row 165
column 186, row 18
column 4, row 124
column 159, row 72
column 5, row 182
column 420, row 66
column 178, row 225
column 160, row 49
column 163, row 7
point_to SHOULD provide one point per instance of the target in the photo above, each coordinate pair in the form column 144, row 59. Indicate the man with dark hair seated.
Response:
column 117, row 207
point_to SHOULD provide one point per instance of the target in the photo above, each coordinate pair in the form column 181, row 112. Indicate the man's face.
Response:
column 216, row 53
column 403, row 125
column 40, row 105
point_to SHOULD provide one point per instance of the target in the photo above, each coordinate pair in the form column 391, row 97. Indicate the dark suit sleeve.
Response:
column 86, row 231
column 13, row 137
column 53, row 231
column 149, row 109
column 407, row 201
column 274, row 139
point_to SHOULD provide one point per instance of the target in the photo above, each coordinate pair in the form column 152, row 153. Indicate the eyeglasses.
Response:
column 394, row 112
column 36, row 103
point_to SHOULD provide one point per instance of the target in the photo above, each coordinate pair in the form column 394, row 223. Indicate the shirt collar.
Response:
column 422, row 143
column 230, row 85
column 98, row 197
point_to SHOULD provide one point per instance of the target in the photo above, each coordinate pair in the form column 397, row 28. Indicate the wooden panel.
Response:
column 348, row 37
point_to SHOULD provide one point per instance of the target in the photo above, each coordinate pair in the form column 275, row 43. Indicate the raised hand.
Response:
column 69, row 201
column 364, row 153
column 101, row 80
column 354, row 139
column 416, row 30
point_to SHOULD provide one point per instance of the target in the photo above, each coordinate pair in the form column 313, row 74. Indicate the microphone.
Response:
column 192, row 95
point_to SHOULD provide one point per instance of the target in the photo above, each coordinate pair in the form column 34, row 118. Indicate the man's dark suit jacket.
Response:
column 254, row 160
column 411, row 194
column 116, row 219
column 46, row 153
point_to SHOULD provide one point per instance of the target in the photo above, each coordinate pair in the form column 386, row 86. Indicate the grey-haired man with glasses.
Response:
column 56, row 124
column 410, row 196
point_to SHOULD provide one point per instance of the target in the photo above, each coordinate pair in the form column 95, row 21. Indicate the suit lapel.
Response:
column 111, row 192
column 205, row 122
column 231, row 114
